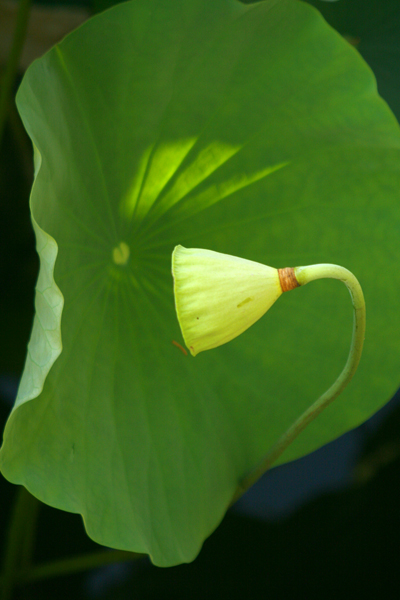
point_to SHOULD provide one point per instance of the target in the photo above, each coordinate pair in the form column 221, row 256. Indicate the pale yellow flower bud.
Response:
column 218, row 296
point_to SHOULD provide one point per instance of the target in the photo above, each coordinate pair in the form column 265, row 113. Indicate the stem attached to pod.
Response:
column 291, row 278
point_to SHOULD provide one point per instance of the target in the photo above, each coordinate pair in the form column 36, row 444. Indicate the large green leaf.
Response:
column 250, row 130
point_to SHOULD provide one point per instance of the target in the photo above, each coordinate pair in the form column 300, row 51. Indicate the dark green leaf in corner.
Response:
column 251, row 130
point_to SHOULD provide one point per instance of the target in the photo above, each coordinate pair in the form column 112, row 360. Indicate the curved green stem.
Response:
column 305, row 275
column 25, row 506
column 11, row 69
column 17, row 568
column 76, row 564
column 27, row 547
column 67, row 566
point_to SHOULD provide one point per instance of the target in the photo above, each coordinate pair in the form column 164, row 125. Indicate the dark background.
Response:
column 326, row 526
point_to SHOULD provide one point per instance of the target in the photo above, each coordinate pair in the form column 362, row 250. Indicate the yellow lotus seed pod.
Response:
column 218, row 296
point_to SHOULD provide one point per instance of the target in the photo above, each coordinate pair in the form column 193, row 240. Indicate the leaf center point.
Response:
column 121, row 254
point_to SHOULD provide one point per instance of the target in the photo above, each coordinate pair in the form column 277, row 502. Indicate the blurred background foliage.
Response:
column 322, row 527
